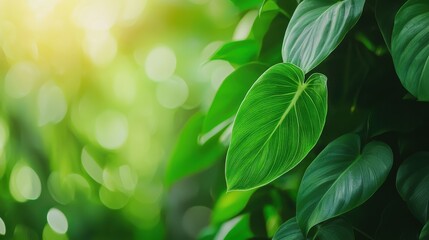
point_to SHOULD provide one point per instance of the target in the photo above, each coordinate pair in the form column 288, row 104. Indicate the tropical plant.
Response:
column 304, row 164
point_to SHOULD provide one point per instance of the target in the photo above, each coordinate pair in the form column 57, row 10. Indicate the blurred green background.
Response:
column 93, row 96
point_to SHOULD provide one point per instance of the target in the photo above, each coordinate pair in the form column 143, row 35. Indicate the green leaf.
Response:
column 412, row 182
column 229, row 97
column 289, row 230
column 424, row 234
column 236, row 229
column 278, row 123
column 341, row 178
column 268, row 6
column 238, row 52
column 229, row 205
column 397, row 222
column 272, row 219
column 401, row 117
column 410, row 47
column 247, row 4
column 317, row 27
column 385, row 12
column 337, row 229
column 189, row 156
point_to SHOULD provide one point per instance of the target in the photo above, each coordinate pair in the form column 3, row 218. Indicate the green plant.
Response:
column 273, row 116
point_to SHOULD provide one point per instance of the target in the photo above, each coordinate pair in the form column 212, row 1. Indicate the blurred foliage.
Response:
column 93, row 95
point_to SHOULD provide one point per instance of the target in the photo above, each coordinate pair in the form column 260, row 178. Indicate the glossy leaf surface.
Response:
column 413, row 184
column 410, row 47
column 289, row 230
column 278, row 123
column 341, row 178
column 317, row 27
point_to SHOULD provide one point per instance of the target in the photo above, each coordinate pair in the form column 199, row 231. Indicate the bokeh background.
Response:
column 93, row 94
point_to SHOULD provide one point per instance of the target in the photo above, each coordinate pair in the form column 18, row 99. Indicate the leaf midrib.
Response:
column 300, row 89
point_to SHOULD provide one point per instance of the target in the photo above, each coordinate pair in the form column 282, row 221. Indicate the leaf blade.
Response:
column 410, row 47
column 412, row 182
column 335, row 182
column 275, row 106
column 316, row 29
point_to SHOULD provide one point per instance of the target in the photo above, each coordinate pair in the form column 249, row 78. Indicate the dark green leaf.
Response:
column 189, row 156
column 278, row 123
column 399, row 117
column 424, row 234
column 413, row 184
column 410, row 47
column 316, row 29
column 229, row 97
column 385, row 12
column 337, row 229
column 397, row 223
column 238, row 52
column 229, row 205
column 289, row 230
column 341, row 178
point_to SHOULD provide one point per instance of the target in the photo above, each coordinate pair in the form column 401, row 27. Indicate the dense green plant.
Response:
column 305, row 164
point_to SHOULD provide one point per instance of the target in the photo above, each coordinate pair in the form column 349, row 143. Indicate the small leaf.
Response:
column 278, row 123
column 410, row 47
column 337, row 229
column 189, row 156
column 238, row 52
column 247, row 4
column 230, row 95
column 229, row 205
column 289, row 230
column 424, row 234
column 340, row 179
column 317, row 27
column 412, row 182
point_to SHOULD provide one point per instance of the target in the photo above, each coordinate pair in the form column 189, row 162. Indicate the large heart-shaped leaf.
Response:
column 317, row 27
column 189, row 156
column 229, row 97
column 413, row 184
column 337, row 229
column 278, row 123
column 410, row 47
column 340, row 179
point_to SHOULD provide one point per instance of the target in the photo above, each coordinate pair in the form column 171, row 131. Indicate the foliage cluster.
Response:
column 304, row 164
